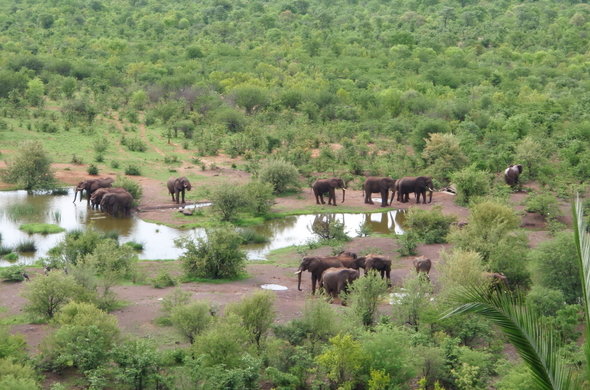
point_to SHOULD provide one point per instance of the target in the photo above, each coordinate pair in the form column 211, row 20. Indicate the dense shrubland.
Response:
column 454, row 89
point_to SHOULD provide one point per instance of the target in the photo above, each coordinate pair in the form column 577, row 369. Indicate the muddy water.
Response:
column 18, row 207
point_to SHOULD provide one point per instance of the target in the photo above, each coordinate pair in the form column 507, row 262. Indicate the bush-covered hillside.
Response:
column 507, row 80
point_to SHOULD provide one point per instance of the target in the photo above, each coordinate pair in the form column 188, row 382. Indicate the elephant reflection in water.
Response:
column 327, row 226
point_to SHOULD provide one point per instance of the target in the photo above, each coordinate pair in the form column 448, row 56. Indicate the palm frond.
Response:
column 583, row 246
column 534, row 342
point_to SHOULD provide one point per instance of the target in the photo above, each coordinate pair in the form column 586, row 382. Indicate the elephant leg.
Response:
column 182, row 196
column 332, row 197
column 384, row 198
column 313, row 282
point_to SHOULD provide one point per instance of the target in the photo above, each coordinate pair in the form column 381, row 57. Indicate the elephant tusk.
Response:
column 298, row 272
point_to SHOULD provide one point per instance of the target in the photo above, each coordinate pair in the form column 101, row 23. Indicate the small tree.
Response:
column 192, row 319
column 138, row 363
column 30, row 168
column 431, row 226
column 256, row 312
column 259, row 197
column 280, row 174
column 250, row 97
column 364, row 296
column 217, row 257
column 48, row 293
column 470, row 182
column 227, row 201
column 343, row 361
column 413, row 300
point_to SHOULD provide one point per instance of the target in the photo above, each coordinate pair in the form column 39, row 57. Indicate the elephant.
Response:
column 381, row 185
column 90, row 186
column 117, row 203
column 316, row 265
column 378, row 263
column 322, row 186
column 511, row 174
column 417, row 185
column 422, row 264
column 336, row 280
column 97, row 195
column 177, row 186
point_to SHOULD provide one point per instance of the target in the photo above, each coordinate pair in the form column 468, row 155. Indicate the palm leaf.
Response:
column 583, row 246
column 533, row 342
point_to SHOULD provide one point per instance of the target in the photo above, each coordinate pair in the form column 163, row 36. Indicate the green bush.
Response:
column 17, row 376
column 342, row 362
column 216, row 257
column 30, row 168
column 132, row 170
column 430, row 226
column 26, row 246
column 176, row 298
column 92, row 169
column 470, row 182
column 256, row 313
column 41, row 228
column 192, row 319
column 138, row 364
column 13, row 273
column 408, row 242
column 555, row 266
column 251, row 236
column 281, row 174
column 544, row 204
column 259, row 197
column 130, row 185
column 134, row 144
column 227, row 201
column 364, row 296
column 545, row 301
column 164, row 279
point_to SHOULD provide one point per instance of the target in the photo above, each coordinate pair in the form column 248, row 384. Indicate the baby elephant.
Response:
column 422, row 264
column 336, row 280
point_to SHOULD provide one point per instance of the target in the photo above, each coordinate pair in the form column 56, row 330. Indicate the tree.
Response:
column 251, row 98
column 280, row 174
column 444, row 155
column 218, row 256
column 256, row 313
column 30, row 169
column 192, row 319
column 138, row 363
column 46, row 294
column 364, row 296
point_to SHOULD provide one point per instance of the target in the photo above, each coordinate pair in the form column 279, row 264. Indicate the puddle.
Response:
column 18, row 207
column 274, row 287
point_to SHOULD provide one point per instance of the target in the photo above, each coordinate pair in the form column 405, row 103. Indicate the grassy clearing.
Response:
column 17, row 319
column 41, row 228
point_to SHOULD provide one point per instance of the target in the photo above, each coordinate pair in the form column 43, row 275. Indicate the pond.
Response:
column 19, row 207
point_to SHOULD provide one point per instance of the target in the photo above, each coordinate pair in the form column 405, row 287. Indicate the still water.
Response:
column 18, row 207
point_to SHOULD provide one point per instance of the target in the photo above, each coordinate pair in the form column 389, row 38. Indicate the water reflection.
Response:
column 18, row 207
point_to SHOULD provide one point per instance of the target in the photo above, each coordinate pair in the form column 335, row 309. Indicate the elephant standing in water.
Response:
column 90, row 186
column 177, row 186
column 381, row 185
column 418, row 185
column 511, row 174
column 335, row 280
column 117, row 203
column 323, row 186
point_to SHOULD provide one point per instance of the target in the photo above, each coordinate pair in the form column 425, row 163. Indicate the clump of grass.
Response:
column 20, row 210
column 92, row 169
column 59, row 191
column 11, row 257
column 132, row 170
column 112, row 234
column 41, row 228
column 26, row 246
column 137, row 246
column 164, row 279
column 14, row 273
column 251, row 236
column 4, row 250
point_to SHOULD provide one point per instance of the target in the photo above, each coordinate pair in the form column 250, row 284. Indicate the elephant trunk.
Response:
column 392, row 195
column 343, row 192
column 299, row 279
column 76, row 194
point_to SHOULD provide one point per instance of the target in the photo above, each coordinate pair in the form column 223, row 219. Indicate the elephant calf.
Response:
column 336, row 280
column 377, row 263
column 422, row 264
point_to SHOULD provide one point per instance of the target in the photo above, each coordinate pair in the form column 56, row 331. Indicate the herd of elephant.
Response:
column 334, row 274
column 383, row 185
column 117, row 201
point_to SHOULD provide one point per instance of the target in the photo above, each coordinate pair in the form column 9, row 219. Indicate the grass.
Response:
column 41, row 228
column 22, row 210
column 17, row 319
column 137, row 246
column 10, row 256
column 186, row 279
column 26, row 246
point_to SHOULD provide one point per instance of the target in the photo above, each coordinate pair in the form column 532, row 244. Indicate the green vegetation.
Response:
column 12, row 273
column 430, row 226
column 30, row 168
column 41, row 228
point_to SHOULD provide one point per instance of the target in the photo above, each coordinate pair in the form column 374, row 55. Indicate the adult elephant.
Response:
column 328, row 186
column 316, row 266
column 117, row 203
column 97, row 195
column 336, row 280
column 90, row 186
column 381, row 185
column 418, row 185
column 422, row 264
column 177, row 186
column 511, row 174
column 378, row 263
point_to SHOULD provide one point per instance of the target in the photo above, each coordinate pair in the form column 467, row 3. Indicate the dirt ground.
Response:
column 144, row 301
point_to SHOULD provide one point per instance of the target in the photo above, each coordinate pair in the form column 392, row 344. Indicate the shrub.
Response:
column 460, row 267
column 192, row 319
column 256, row 313
column 444, row 155
column 16, row 376
column 544, row 204
column 232, row 120
column 545, row 301
column 134, row 144
column 164, row 279
column 92, row 169
column 176, row 298
column 413, row 300
column 555, row 266
column 408, row 243
column 364, row 296
column 430, row 226
column 259, row 197
column 130, row 185
column 132, row 170
column 251, row 236
column 217, row 257
column 343, row 361
column 470, row 182
column 138, row 363
column 13, row 273
column 26, row 246
column 280, row 174
column 227, row 201
column 47, row 294
column 30, row 169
